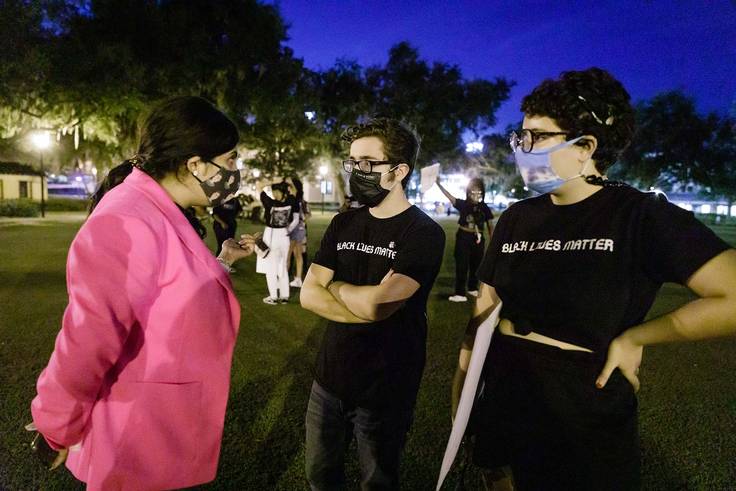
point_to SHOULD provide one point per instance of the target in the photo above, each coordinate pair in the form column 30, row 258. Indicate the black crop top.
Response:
column 584, row 273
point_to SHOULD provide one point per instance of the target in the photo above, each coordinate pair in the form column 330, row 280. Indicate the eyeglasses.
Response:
column 363, row 165
column 528, row 138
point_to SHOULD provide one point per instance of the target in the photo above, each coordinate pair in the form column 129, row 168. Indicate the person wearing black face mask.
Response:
column 475, row 216
column 370, row 278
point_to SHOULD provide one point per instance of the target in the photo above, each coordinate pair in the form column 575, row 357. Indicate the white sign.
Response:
column 477, row 358
column 429, row 176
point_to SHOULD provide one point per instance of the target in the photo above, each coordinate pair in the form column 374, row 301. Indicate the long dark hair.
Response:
column 299, row 189
column 175, row 130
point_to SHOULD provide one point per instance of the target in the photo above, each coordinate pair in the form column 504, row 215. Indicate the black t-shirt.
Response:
column 278, row 214
column 473, row 214
column 228, row 211
column 584, row 273
column 380, row 363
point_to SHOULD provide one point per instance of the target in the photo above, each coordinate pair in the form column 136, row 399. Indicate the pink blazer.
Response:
column 140, row 371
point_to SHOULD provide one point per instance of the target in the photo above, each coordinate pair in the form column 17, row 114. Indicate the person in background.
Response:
column 281, row 217
column 475, row 218
column 577, row 269
column 134, row 394
column 225, row 221
column 298, row 236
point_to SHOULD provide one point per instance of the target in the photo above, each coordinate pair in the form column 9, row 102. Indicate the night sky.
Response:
column 651, row 46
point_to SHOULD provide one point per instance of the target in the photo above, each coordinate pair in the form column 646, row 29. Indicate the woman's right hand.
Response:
column 61, row 454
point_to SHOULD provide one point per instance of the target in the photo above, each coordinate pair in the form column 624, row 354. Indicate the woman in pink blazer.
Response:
column 135, row 391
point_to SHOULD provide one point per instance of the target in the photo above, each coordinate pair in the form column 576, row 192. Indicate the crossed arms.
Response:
column 342, row 302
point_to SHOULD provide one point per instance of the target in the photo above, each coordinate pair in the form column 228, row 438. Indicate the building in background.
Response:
column 20, row 181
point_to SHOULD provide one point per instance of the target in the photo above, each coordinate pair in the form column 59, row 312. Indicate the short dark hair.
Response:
column 587, row 102
column 400, row 141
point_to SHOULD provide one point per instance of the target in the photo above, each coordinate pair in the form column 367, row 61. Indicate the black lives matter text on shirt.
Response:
column 473, row 214
column 584, row 273
column 379, row 363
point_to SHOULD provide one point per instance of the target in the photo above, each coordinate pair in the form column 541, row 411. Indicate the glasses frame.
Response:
column 350, row 164
column 516, row 140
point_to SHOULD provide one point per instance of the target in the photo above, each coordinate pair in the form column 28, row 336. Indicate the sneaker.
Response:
column 270, row 301
column 473, row 293
column 458, row 298
column 297, row 283
column 284, row 300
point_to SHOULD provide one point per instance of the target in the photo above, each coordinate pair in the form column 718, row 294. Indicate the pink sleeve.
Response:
column 112, row 272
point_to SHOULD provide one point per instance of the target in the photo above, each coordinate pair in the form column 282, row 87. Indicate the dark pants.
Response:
column 222, row 234
column 541, row 413
column 380, row 436
column 468, row 255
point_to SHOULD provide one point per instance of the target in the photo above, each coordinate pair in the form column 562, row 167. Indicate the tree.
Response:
column 106, row 61
column 718, row 175
column 435, row 98
column 668, row 146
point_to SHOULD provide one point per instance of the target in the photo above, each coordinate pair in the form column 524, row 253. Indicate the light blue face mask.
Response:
column 536, row 168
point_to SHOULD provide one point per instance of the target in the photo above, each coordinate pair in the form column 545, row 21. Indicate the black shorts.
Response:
column 541, row 413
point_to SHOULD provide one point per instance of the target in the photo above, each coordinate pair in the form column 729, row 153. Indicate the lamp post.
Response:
column 41, row 140
column 323, row 184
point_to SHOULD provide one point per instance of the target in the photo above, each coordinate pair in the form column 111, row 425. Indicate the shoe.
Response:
column 473, row 293
column 297, row 283
column 284, row 300
column 458, row 298
column 270, row 301
column 232, row 270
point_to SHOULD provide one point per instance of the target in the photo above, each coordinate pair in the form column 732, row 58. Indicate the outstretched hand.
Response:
column 626, row 356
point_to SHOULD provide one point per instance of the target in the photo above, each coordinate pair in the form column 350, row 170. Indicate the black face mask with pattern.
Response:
column 222, row 186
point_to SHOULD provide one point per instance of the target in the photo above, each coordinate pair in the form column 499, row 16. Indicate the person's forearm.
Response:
column 446, row 193
column 700, row 319
column 366, row 301
column 320, row 301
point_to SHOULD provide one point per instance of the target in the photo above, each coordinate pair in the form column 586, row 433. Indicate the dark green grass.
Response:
column 687, row 401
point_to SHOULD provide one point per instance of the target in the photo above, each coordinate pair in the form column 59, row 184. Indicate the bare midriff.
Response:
column 507, row 328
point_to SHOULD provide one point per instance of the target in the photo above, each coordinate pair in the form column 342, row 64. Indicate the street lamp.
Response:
column 474, row 147
column 41, row 140
column 323, row 184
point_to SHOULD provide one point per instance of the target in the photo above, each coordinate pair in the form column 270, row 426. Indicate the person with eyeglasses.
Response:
column 475, row 217
column 577, row 269
column 370, row 279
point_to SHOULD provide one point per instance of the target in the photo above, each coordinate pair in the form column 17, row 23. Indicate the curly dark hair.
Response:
column 587, row 102
column 400, row 141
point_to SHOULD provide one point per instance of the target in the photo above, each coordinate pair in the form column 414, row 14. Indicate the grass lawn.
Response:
column 687, row 401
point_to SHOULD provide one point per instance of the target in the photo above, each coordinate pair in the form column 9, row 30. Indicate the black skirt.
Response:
column 541, row 413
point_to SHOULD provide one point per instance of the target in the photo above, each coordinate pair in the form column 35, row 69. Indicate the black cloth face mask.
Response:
column 366, row 187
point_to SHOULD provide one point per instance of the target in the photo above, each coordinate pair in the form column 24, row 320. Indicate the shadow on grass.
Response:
column 264, row 431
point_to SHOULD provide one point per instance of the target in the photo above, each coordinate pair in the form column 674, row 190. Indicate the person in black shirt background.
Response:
column 370, row 278
column 225, row 221
column 577, row 269
column 475, row 216
column 281, row 214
